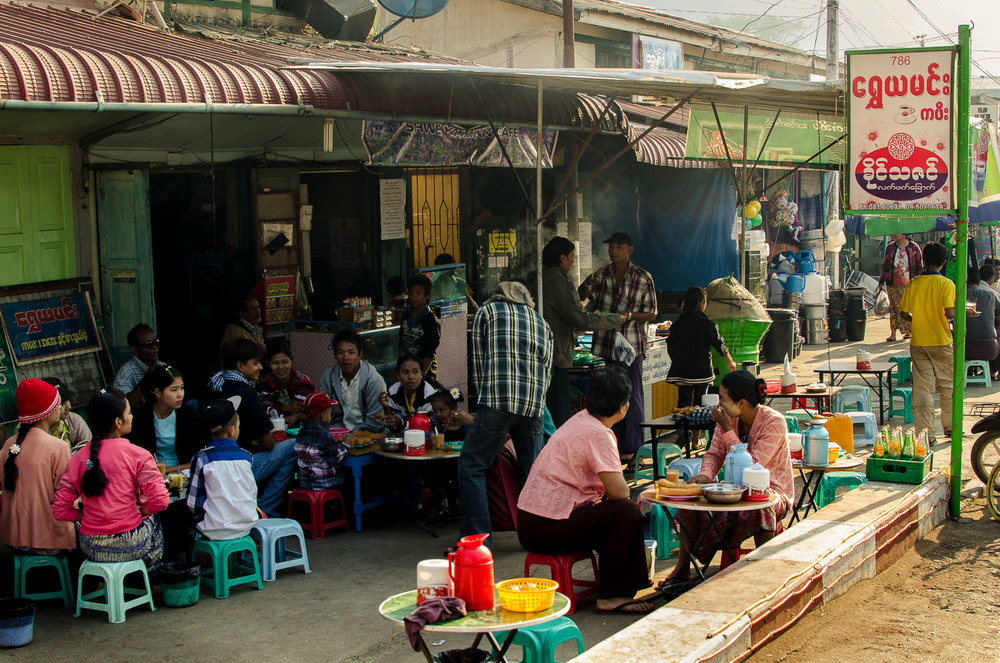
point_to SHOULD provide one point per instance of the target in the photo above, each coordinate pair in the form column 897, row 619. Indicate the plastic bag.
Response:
column 882, row 303
column 623, row 351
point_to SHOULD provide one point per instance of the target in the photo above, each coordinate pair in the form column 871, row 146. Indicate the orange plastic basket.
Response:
column 527, row 594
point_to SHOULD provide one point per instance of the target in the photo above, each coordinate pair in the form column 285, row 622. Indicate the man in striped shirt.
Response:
column 511, row 364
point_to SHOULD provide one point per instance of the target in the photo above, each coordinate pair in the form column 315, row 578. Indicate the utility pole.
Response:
column 569, row 62
column 832, row 49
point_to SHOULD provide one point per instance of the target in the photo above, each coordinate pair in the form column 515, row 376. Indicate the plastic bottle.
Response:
column 879, row 447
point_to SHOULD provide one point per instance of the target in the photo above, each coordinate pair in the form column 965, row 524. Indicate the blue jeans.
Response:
column 480, row 449
column 277, row 466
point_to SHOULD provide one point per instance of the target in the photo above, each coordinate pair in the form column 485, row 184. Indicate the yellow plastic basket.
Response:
column 527, row 594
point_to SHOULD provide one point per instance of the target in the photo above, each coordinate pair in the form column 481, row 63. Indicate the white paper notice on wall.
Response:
column 392, row 206
column 562, row 228
column 584, row 256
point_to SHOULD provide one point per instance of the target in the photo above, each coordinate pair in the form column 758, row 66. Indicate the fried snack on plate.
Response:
column 677, row 488
column 685, row 411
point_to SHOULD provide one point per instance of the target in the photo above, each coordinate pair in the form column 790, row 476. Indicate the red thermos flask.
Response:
column 471, row 570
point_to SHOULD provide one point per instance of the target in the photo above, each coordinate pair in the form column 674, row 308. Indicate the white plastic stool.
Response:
column 859, row 397
column 869, row 428
column 983, row 379
column 114, row 590
column 271, row 533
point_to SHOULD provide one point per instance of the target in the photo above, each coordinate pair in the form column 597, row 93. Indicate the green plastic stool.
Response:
column 661, row 531
column 792, row 423
column 904, row 370
column 219, row 576
column 24, row 563
column 114, row 591
column 663, row 450
column 906, row 393
column 983, row 379
column 538, row 643
column 827, row 492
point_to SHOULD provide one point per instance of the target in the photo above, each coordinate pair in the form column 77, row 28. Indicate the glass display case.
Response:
column 447, row 281
column 312, row 347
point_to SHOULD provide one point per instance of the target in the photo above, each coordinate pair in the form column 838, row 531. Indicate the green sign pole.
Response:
column 962, row 261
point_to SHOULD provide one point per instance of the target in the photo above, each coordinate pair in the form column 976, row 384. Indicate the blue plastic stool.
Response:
column 983, row 379
column 827, row 491
column 906, row 393
column 538, row 643
column 24, row 563
column 274, row 556
column 904, row 371
column 663, row 449
column 688, row 467
column 858, row 398
column 114, row 591
column 661, row 531
column 868, row 433
column 219, row 577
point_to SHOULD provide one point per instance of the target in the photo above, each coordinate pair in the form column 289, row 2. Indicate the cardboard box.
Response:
column 357, row 314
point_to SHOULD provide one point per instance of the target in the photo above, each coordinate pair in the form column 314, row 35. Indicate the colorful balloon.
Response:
column 756, row 220
column 752, row 209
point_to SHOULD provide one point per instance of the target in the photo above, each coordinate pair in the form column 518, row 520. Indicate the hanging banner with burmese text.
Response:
column 41, row 329
column 447, row 144
column 900, row 119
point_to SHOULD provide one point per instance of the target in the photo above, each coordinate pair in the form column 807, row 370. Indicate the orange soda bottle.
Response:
column 879, row 447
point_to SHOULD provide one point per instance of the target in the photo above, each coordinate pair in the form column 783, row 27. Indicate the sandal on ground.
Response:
column 891, row 339
column 630, row 607
column 906, row 337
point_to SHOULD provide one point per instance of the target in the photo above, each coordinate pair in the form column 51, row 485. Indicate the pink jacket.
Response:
column 132, row 479
column 768, row 445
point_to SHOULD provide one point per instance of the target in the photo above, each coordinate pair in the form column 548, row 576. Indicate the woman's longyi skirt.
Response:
column 145, row 542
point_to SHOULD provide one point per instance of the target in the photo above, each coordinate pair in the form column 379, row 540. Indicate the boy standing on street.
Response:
column 929, row 303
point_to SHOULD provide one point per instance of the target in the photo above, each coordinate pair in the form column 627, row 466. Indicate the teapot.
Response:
column 420, row 421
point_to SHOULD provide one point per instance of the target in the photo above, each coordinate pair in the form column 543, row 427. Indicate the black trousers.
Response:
column 613, row 528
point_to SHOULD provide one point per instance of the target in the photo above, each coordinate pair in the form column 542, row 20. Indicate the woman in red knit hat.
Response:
column 31, row 463
column 118, row 486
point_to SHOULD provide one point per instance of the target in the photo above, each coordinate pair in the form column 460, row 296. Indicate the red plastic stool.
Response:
column 316, row 500
column 561, row 567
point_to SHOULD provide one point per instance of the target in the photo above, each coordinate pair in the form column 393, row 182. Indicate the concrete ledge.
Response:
column 738, row 610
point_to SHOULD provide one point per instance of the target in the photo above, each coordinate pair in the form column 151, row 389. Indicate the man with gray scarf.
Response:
column 511, row 364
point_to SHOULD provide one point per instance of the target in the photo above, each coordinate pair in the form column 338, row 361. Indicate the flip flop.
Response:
column 891, row 339
column 620, row 609
column 673, row 590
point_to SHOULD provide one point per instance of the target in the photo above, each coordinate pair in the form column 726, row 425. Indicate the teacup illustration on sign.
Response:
column 906, row 115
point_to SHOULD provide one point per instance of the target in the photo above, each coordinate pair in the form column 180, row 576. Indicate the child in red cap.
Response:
column 28, row 463
column 319, row 455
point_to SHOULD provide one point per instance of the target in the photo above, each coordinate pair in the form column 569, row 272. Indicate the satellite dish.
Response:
column 413, row 8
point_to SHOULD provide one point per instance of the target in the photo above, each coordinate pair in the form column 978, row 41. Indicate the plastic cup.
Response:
column 162, row 467
column 438, row 439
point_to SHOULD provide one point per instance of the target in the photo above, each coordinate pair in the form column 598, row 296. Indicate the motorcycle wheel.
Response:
column 993, row 492
column 986, row 454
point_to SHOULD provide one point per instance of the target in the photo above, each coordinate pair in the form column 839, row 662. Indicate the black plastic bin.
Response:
column 780, row 337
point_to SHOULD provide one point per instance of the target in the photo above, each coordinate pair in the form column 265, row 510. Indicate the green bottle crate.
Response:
column 897, row 470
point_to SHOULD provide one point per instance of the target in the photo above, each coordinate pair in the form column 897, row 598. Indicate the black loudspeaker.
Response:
column 346, row 20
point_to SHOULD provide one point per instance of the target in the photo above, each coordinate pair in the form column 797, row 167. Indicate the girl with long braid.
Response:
column 31, row 463
column 118, row 487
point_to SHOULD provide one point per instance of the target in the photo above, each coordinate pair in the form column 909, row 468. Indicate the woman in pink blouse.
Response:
column 118, row 487
column 576, row 499
column 741, row 417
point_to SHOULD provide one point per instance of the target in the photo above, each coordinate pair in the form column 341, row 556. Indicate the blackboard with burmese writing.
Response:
column 8, row 382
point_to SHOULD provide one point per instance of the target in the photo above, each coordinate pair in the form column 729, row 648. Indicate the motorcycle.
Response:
column 986, row 449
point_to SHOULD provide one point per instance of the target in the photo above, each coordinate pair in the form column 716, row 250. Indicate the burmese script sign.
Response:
column 900, row 119
column 46, row 328
column 449, row 144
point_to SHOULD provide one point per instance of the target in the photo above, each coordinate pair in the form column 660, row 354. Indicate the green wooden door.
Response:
column 126, row 256
column 36, row 214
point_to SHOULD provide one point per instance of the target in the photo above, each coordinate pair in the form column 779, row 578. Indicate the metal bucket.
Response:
column 815, row 331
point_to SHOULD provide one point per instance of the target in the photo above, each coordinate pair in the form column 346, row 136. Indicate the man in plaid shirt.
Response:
column 511, row 364
column 623, row 288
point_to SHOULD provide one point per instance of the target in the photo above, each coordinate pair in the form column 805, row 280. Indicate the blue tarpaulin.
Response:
column 685, row 224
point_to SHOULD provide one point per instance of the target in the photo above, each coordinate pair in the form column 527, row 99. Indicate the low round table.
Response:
column 713, row 510
column 812, row 475
column 479, row 623
column 412, row 498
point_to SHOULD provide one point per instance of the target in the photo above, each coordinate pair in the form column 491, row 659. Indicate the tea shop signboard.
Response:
column 43, row 329
column 900, row 119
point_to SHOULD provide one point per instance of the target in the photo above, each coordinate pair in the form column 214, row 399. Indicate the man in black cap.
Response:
column 72, row 429
column 625, row 289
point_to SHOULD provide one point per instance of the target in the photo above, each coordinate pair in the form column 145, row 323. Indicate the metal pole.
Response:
column 832, row 49
column 539, row 145
column 573, row 178
column 741, row 199
column 962, row 260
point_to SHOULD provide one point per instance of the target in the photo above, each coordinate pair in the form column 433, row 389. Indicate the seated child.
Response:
column 223, row 494
column 319, row 455
column 409, row 395
column 446, row 417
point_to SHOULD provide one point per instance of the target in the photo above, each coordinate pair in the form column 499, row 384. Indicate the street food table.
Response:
column 880, row 371
column 480, row 623
column 358, row 459
column 821, row 398
column 713, row 510
column 670, row 422
column 411, row 499
column 812, row 476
